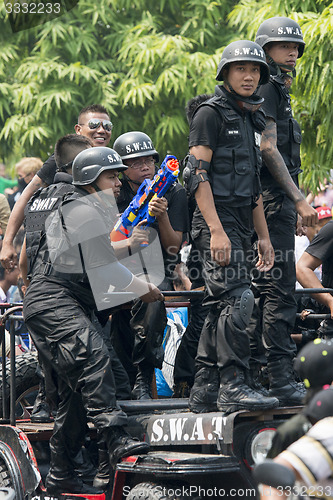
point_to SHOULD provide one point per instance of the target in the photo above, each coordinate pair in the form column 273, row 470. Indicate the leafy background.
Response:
column 143, row 60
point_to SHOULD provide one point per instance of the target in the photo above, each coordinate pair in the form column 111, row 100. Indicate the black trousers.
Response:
column 221, row 342
column 137, row 335
column 69, row 342
column 184, row 369
column 274, row 290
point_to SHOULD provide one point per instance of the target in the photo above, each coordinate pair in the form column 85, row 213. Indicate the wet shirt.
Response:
column 87, row 250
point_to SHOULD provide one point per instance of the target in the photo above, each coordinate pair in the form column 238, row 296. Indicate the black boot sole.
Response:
column 101, row 483
column 58, row 489
column 232, row 407
column 203, row 408
column 291, row 402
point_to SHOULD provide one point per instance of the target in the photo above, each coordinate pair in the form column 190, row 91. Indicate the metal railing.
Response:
column 7, row 314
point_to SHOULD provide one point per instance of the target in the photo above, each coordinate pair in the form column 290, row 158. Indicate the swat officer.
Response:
column 42, row 204
column 223, row 171
column 36, row 212
column 58, row 306
column 282, row 40
column 140, row 348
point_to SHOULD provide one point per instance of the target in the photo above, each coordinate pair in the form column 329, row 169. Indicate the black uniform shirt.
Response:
column 321, row 247
column 205, row 128
column 272, row 100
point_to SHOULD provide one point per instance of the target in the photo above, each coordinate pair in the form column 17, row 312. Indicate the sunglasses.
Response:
column 95, row 123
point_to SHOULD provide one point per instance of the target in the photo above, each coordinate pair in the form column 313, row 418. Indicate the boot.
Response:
column 282, row 383
column 142, row 387
column 204, row 391
column 58, row 481
column 41, row 410
column 252, row 379
column 121, row 444
column 102, row 478
column 40, row 413
column 83, row 466
column 235, row 394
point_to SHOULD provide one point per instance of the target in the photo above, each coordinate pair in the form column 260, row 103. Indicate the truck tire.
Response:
column 27, row 382
column 5, row 479
column 153, row 491
column 10, row 474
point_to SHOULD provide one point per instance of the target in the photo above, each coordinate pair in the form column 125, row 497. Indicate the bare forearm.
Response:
column 220, row 246
column 24, row 264
column 308, row 279
column 280, row 173
column 259, row 220
column 170, row 239
column 205, row 201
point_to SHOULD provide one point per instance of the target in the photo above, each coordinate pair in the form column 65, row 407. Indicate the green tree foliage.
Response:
column 143, row 60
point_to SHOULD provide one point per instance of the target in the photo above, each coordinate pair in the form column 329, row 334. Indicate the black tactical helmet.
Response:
column 90, row 163
column 280, row 29
column 244, row 50
column 135, row 144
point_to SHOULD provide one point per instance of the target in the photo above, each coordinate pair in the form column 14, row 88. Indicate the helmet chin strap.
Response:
column 251, row 103
column 282, row 69
column 104, row 197
column 130, row 180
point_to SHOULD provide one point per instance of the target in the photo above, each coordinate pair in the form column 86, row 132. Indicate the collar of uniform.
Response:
column 63, row 177
column 280, row 77
column 226, row 96
column 222, row 92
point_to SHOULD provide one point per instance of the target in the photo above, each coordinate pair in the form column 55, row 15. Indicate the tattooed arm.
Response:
column 280, row 173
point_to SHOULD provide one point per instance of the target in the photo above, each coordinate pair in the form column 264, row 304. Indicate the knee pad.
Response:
column 242, row 310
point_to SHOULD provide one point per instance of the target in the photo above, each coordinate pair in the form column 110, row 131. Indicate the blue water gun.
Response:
column 137, row 210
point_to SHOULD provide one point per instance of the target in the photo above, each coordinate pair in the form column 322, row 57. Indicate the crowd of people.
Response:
column 239, row 209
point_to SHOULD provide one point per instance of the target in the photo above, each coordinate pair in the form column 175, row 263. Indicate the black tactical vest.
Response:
column 40, row 206
column 288, row 130
column 43, row 264
column 236, row 162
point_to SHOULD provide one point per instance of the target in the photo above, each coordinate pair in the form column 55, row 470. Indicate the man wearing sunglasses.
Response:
column 96, row 126
column 94, row 123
